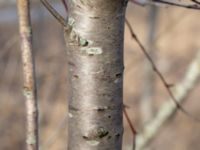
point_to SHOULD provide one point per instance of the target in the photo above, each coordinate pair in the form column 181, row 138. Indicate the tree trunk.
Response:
column 95, row 61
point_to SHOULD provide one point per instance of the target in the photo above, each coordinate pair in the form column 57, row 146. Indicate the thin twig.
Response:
column 192, row 6
column 195, row 1
column 30, row 91
column 131, row 126
column 65, row 5
column 59, row 18
column 156, row 70
column 195, row 5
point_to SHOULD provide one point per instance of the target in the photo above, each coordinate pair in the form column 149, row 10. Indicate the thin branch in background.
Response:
column 168, row 109
column 54, row 135
column 148, row 85
column 7, row 45
column 156, row 70
column 195, row 1
column 54, row 13
column 65, row 5
column 134, row 133
column 195, row 6
column 30, row 90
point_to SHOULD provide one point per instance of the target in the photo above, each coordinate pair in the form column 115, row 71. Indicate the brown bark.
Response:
column 95, row 60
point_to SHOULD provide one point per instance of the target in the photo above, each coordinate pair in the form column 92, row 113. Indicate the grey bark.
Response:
column 30, row 92
column 95, row 61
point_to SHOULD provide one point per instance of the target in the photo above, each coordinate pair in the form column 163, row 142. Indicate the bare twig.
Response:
column 54, row 13
column 181, row 92
column 65, row 5
column 196, row 4
column 30, row 91
column 134, row 133
column 156, row 70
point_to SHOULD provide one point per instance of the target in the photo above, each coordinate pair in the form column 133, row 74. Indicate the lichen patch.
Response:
column 93, row 142
column 92, row 50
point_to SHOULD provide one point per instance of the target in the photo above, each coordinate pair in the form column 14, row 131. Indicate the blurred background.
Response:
column 172, row 37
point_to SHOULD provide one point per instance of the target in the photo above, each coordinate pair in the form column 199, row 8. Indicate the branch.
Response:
column 189, row 6
column 134, row 133
column 159, row 74
column 195, row 1
column 54, row 13
column 168, row 109
column 30, row 91
column 195, row 5
column 65, row 5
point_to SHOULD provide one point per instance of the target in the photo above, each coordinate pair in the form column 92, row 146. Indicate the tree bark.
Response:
column 30, row 91
column 95, row 61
